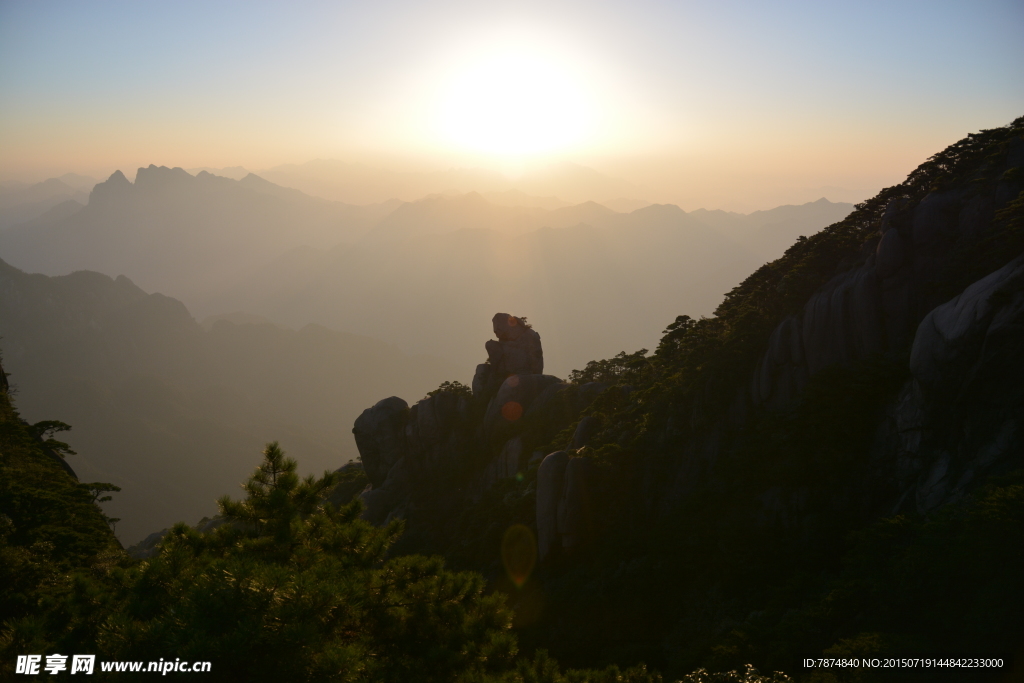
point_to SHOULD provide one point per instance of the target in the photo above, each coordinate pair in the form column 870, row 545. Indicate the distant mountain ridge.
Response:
column 361, row 183
column 183, row 234
column 223, row 245
column 173, row 411
column 20, row 203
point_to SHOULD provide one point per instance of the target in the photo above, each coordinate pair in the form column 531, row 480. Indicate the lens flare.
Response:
column 511, row 411
column 519, row 553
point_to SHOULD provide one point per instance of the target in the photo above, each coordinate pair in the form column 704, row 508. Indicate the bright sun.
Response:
column 514, row 102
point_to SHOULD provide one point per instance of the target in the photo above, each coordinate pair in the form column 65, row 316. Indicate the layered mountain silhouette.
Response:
column 222, row 245
column 182, row 234
column 173, row 412
column 54, row 198
column 598, row 280
column 833, row 462
column 832, row 465
column 360, row 183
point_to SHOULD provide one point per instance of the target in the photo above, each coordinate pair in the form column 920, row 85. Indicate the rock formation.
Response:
column 516, row 351
column 474, row 442
column 380, row 434
column 897, row 300
column 907, row 291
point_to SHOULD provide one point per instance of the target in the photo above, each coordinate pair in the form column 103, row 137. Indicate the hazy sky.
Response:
column 701, row 103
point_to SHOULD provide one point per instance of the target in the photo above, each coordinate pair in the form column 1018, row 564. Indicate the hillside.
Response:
column 831, row 465
column 171, row 412
column 50, row 523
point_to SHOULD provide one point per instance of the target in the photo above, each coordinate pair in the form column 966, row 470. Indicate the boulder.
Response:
column 379, row 501
column 485, row 381
column 514, row 333
column 516, row 351
column 436, row 429
column 550, row 487
column 965, row 320
column 515, row 396
column 544, row 402
column 380, row 434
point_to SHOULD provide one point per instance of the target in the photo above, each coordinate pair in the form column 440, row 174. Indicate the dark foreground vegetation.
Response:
column 291, row 588
column 873, row 507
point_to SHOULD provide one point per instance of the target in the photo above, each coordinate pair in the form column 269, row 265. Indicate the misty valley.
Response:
column 516, row 431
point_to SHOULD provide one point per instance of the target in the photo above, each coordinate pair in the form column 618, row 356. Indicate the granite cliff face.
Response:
column 956, row 419
column 927, row 285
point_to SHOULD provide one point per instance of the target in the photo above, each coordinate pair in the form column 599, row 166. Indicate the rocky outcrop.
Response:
column 397, row 444
column 513, row 400
column 962, row 415
column 550, row 490
column 564, row 516
column 908, row 292
column 979, row 326
column 516, row 351
column 875, row 308
column 380, row 434
column 400, row 446
column 472, row 442
column 438, row 429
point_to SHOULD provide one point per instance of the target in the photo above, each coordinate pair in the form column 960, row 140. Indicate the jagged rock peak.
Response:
column 517, row 351
column 509, row 327
column 155, row 177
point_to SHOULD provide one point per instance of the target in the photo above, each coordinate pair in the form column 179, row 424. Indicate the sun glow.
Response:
column 515, row 101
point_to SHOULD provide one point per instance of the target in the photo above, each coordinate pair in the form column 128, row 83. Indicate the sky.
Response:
column 721, row 105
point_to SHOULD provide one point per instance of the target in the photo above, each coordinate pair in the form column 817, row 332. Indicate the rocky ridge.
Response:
column 443, row 435
column 955, row 419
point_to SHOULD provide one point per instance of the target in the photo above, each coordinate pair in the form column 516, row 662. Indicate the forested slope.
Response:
column 830, row 463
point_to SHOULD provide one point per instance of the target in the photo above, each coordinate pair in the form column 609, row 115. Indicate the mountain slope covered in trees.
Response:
column 172, row 412
column 829, row 464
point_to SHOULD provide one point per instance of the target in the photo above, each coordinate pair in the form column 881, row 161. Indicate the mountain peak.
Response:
column 117, row 178
column 115, row 185
column 160, row 177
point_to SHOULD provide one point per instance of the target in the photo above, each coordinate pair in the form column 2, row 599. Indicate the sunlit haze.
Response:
column 740, row 105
